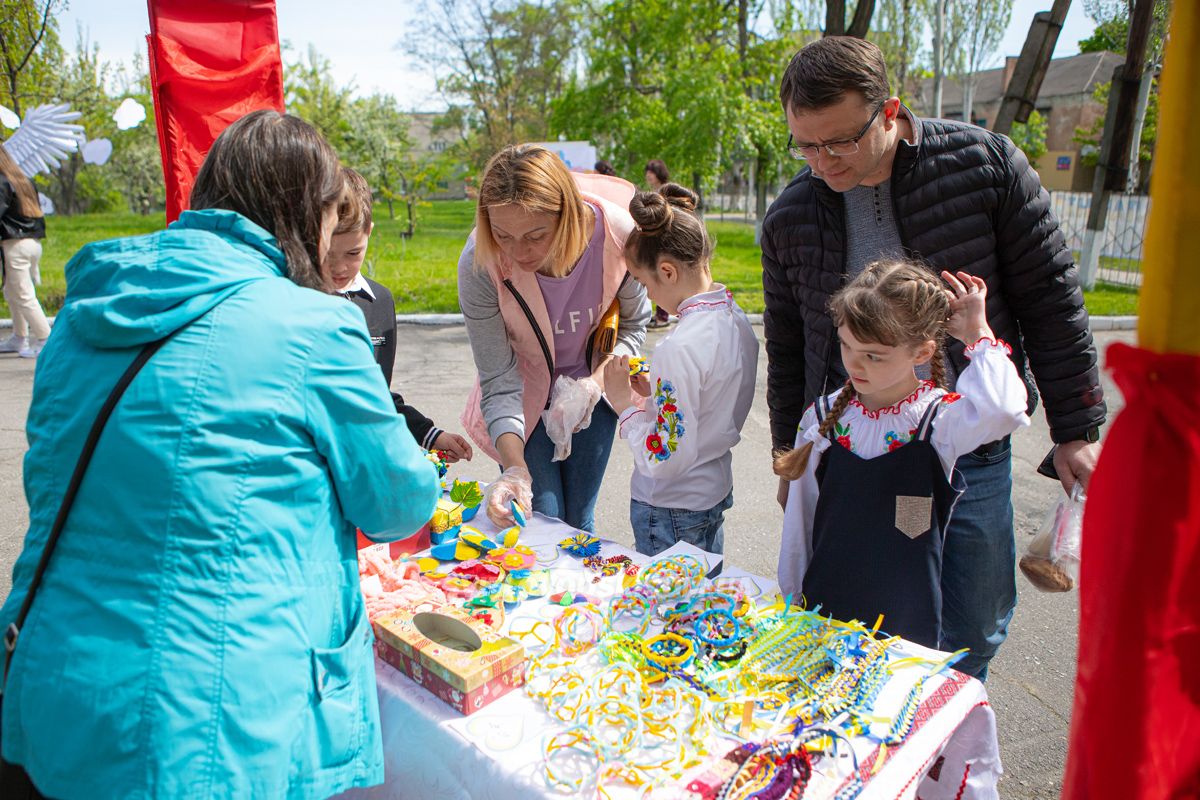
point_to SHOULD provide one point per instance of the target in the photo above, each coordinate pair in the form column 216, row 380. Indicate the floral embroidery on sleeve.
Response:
column 951, row 397
column 668, row 427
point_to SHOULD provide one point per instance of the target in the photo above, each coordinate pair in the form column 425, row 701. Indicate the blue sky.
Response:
column 360, row 38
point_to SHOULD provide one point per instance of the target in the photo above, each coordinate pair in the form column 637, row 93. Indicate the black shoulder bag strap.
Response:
column 89, row 447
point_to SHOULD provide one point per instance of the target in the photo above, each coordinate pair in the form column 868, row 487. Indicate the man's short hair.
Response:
column 354, row 209
column 821, row 73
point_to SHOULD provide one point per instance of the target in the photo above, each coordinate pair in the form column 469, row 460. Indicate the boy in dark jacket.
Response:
column 344, row 266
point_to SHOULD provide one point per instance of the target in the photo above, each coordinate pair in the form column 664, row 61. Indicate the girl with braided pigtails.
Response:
column 872, row 474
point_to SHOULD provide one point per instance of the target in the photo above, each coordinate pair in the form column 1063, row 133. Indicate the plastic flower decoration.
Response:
column 580, row 545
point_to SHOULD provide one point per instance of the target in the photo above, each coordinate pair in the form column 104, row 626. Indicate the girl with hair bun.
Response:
column 872, row 474
column 700, row 384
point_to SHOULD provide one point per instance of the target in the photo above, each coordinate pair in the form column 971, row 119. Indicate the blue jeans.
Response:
column 979, row 583
column 568, row 489
column 656, row 529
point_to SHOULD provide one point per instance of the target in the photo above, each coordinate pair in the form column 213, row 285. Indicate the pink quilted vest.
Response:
column 612, row 195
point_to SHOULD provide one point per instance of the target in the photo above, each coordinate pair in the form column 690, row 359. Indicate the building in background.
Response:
column 1065, row 102
column 430, row 140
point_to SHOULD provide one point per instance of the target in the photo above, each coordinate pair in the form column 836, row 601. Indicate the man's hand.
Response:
column 640, row 384
column 1075, row 461
column 782, row 493
column 454, row 446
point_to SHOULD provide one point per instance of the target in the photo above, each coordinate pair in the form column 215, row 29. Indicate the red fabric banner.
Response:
column 211, row 62
column 1136, row 726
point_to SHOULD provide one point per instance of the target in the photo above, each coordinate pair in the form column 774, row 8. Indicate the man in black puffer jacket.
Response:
column 881, row 184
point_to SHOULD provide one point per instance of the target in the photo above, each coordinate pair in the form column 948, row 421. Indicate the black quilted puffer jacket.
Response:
column 965, row 198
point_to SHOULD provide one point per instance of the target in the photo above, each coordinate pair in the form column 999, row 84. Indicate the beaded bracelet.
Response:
column 657, row 649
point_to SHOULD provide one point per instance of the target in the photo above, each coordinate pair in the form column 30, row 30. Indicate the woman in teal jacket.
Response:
column 200, row 631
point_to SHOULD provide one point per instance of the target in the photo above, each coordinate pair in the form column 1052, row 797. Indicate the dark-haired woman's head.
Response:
column 281, row 174
column 669, row 250
column 656, row 174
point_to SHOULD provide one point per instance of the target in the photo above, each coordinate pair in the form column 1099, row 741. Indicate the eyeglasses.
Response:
column 845, row 147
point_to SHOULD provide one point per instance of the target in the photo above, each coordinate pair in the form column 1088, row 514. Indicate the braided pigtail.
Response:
column 790, row 464
column 937, row 367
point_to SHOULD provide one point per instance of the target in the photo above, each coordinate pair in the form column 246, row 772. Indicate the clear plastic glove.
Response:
column 515, row 483
column 570, row 410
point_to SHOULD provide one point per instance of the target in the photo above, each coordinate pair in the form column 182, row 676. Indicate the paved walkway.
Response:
column 1031, row 681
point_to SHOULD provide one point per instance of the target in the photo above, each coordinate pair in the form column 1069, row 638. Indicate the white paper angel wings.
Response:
column 45, row 137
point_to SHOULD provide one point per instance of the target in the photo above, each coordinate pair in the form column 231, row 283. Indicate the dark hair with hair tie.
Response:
column 667, row 225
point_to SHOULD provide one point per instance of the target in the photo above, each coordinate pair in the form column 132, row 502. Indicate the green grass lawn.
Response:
column 422, row 271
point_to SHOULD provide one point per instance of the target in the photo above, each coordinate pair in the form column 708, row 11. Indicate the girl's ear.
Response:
column 924, row 352
column 668, row 270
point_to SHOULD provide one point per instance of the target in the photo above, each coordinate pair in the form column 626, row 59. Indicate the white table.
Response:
column 431, row 751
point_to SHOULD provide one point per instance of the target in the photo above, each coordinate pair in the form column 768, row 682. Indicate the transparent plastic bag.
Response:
column 1051, row 561
column 571, row 404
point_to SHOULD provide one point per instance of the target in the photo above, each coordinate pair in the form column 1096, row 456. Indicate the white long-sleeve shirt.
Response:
column 702, row 379
column 989, row 405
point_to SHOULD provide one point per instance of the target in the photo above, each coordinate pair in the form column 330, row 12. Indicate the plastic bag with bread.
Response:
column 1051, row 561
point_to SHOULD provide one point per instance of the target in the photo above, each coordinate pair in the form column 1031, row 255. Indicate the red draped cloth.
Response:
column 1136, row 726
column 211, row 62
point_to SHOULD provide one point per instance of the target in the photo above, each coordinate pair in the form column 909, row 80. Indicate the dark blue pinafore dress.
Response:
column 878, row 533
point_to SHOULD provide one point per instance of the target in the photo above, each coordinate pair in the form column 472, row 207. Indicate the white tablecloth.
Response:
column 431, row 751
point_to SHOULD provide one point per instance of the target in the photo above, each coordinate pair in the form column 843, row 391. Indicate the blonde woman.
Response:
column 544, row 263
column 22, row 229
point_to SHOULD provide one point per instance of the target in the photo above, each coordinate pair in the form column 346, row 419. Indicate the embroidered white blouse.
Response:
column 702, row 378
column 989, row 404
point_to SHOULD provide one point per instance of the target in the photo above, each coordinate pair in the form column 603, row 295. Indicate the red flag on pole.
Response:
column 1135, row 730
column 211, row 62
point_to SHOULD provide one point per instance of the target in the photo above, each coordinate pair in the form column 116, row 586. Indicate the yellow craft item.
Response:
column 465, row 550
column 428, row 564
column 446, row 515
column 510, row 536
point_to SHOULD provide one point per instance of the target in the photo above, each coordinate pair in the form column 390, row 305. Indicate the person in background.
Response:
column 347, row 250
column 542, row 268
column 702, row 376
column 200, row 631
column 22, row 228
column 656, row 178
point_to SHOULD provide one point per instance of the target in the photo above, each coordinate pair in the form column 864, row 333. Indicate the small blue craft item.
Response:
column 469, row 544
column 518, row 514
column 469, row 513
column 581, row 545
column 438, row 537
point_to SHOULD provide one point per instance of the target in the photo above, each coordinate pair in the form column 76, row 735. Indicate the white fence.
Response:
column 1123, row 237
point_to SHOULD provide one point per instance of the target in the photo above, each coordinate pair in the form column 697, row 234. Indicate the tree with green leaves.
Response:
column 378, row 141
column 981, row 25
column 500, row 63
column 899, row 26
column 29, row 51
column 311, row 93
column 1030, row 136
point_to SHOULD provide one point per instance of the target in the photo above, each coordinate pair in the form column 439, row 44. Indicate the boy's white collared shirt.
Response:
column 702, row 379
column 359, row 285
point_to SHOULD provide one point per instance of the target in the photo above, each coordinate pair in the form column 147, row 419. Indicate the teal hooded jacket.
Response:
column 200, row 631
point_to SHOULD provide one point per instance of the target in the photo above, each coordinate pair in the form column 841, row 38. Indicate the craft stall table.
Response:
column 433, row 751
